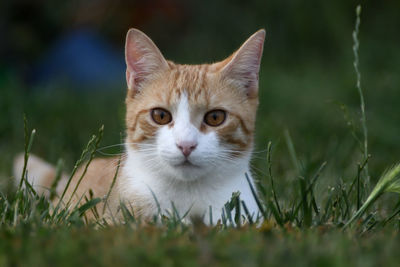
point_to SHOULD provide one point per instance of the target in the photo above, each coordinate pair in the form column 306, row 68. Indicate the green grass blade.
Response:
column 256, row 198
column 28, row 147
column 96, row 145
column 112, row 185
column 269, row 147
column 389, row 182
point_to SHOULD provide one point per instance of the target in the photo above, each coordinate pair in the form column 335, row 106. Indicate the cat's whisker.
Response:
column 115, row 159
column 242, row 153
column 124, row 144
column 110, row 154
column 110, row 146
column 259, row 151
column 260, row 171
column 227, row 159
column 148, row 152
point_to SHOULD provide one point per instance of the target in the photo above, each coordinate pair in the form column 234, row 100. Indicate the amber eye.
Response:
column 161, row 116
column 215, row 117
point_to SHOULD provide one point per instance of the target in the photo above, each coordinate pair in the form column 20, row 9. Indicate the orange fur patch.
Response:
column 206, row 89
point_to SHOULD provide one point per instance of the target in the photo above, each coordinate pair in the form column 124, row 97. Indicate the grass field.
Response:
column 309, row 144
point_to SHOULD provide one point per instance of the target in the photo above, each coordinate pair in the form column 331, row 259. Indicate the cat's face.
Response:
column 186, row 121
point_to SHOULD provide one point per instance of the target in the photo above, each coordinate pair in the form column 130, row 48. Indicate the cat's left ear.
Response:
column 143, row 59
column 244, row 65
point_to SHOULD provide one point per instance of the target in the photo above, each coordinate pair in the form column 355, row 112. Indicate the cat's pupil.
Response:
column 215, row 116
column 161, row 116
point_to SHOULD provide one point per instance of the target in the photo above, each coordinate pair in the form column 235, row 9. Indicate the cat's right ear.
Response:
column 243, row 66
column 143, row 59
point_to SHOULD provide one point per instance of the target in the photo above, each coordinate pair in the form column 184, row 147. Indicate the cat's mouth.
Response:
column 186, row 164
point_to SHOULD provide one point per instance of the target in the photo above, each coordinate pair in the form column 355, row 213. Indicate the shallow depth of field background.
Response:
column 68, row 89
column 62, row 65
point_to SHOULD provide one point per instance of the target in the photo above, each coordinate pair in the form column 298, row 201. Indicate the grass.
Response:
column 325, row 201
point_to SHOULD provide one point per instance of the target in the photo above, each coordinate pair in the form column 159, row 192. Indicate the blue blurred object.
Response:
column 81, row 59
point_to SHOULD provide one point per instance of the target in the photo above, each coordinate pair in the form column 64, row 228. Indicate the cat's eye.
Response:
column 215, row 117
column 161, row 116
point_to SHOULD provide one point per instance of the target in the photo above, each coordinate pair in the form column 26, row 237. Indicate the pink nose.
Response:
column 186, row 147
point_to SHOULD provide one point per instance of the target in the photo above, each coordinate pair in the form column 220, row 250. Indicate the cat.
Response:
column 189, row 136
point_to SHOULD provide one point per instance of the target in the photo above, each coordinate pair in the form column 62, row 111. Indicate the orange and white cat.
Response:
column 189, row 135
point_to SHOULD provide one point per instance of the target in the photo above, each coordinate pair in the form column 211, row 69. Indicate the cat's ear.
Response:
column 244, row 65
column 143, row 59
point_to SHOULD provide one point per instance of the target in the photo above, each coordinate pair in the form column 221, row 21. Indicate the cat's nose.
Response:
column 186, row 147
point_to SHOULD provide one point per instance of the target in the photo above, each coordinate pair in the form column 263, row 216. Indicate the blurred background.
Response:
column 62, row 64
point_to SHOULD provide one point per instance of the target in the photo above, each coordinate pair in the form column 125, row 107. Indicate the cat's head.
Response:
column 186, row 121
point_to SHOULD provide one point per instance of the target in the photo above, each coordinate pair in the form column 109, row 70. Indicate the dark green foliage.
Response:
column 313, row 176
